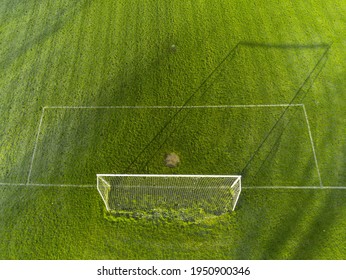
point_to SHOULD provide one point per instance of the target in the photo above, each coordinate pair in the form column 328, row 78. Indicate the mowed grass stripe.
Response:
column 116, row 53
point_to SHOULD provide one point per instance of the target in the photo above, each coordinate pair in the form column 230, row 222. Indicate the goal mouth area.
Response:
column 175, row 196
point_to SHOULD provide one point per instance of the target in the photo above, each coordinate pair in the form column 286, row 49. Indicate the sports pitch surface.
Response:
column 253, row 89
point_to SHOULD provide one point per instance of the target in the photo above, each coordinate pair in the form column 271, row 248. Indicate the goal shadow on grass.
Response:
column 141, row 162
column 287, row 113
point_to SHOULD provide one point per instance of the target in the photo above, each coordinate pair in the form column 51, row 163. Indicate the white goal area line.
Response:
column 28, row 181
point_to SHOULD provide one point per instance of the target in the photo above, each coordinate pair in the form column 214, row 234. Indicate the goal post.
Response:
column 214, row 194
column 104, row 189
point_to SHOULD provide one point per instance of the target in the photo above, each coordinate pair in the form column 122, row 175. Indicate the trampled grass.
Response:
column 118, row 53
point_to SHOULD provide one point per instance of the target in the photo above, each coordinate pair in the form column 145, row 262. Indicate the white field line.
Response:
column 35, row 147
column 312, row 146
column 174, row 107
column 295, row 187
column 94, row 186
column 164, row 107
column 46, row 185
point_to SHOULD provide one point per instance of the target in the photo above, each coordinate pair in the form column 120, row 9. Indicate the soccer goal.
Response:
column 214, row 194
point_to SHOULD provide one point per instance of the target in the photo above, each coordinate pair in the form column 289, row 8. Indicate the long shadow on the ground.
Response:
column 142, row 160
column 289, row 113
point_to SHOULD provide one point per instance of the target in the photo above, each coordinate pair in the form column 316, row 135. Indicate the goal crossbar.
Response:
column 169, row 175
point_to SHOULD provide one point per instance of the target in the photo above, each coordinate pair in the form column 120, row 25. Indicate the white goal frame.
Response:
column 211, row 186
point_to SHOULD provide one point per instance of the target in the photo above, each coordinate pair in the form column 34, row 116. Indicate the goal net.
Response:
column 208, row 193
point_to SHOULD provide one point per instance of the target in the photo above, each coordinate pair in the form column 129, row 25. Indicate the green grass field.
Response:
column 269, row 83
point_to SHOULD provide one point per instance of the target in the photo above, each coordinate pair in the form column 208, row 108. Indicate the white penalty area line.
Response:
column 174, row 107
column 140, row 107
column 165, row 107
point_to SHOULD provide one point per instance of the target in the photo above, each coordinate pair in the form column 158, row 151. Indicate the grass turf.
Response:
column 306, row 224
column 101, row 53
